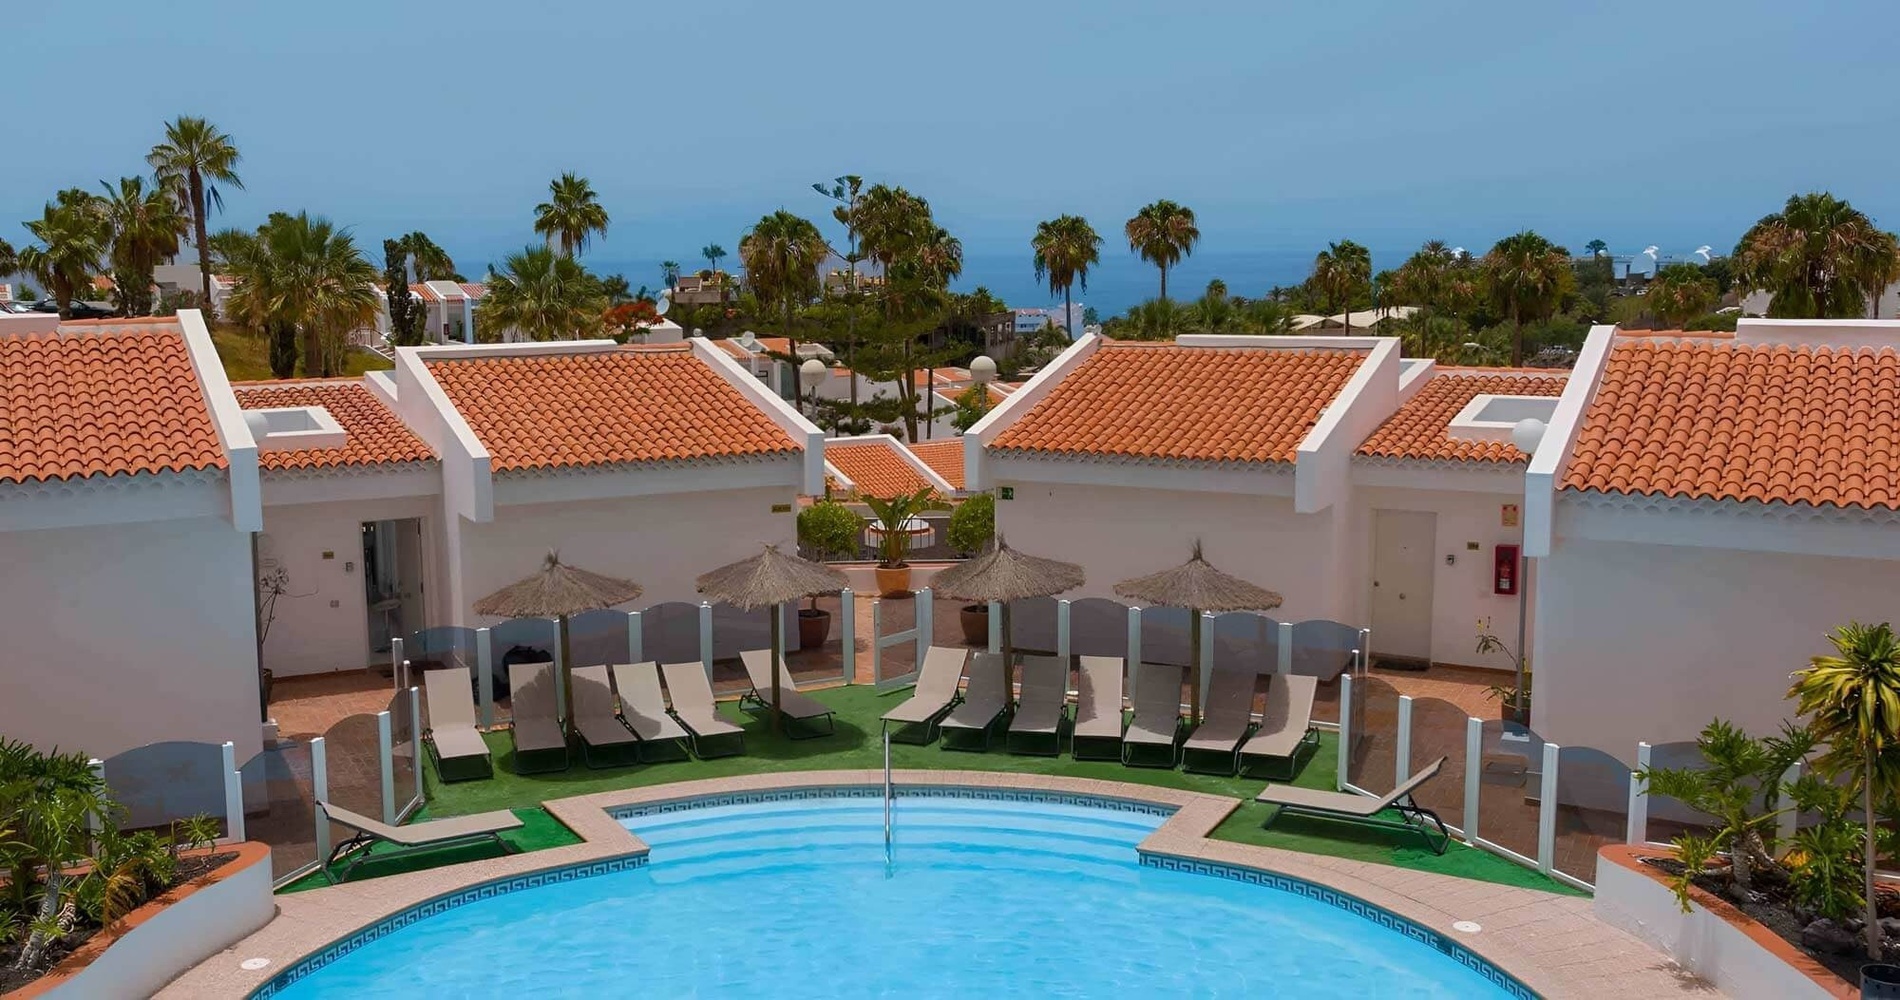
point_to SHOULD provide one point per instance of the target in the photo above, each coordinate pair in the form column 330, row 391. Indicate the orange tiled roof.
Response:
column 1420, row 429
column 1166, row 401
column 1716, row 421
column 102, row 399
column 631, row 405
column 375, row 434
column 945, row 458
column 876, row 468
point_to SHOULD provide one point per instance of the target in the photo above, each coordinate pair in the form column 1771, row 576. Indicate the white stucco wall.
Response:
column 1462, row 590
column 308, row 635
column 122, row 635
column 1649, row 642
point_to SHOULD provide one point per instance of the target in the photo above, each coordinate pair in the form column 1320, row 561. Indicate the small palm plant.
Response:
column 893, row 546
column 1739, row 787
column 1852, row 702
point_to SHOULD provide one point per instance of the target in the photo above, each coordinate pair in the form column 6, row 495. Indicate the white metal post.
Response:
column 1345, row 732
column 485, row 674
column 705, row 638
column 1547, row 812
column 1134, row 647
column 1474, row 775
column 848, row 644
column 1063, row 642
column 1285, row 650
column 387, row 767
column 636, row 642
column 320, row 792
column 996, row 626
column 783, row 638
column 1786, row 823
column 1638, row 827
column 415, row 738
column 877, row 640
column 560, row 671
column 925, row 622
column 1402, row 749
column 398, row 663
column 99, row 774
column 1205, row 668
column 233, row 792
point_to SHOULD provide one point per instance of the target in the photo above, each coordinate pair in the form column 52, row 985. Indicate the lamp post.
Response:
column 814, row 372
column 982, row 373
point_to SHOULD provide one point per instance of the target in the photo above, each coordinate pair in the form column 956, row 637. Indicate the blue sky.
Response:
column 1283, row 125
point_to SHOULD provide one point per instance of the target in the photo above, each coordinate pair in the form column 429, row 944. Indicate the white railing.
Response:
column 887, row 793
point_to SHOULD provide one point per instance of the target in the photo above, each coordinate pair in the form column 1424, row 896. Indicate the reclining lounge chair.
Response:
column 1098, row 709
column 1041, row 707
column 537, row 720
column 694, row 706
column 1212, row 748
column 1364, row 808
column 643, row 705
column 985, row 699
column 366, row 833
column 599, row 728
column 1286, row 737
column 452, row 737
column 934, row 695
column 796, row 706
column 1156, row 724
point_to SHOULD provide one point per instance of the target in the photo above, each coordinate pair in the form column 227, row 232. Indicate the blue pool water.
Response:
column 978, row 898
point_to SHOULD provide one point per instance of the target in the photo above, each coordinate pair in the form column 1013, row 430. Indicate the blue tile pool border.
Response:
column 717, row 799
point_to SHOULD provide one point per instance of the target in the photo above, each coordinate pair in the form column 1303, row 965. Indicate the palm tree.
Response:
column 1852, row 700
column 192, row 161
column 9, row 258
column 146, row 226
column 1680, row 293
column 73, row 235
column 712, row 252
column 1819, row 257
column 782, row 254
column 571, row 214
column 1425, row 280
column 543, row 295
column 431, row 262
column 303, row 278
column 1528, row 277
column 889, row 222
column 670, row 273
column 1065, row 247
column 1596, row 248
column 616, row 289
column 1340, row 273
column 1162, row 233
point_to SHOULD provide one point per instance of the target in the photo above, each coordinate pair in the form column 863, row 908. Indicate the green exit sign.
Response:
column 1009, row 492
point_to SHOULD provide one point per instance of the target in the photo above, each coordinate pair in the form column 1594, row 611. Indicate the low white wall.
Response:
column 173, row 940
column 121, row 635
column 1701, row 941
column 308, row 635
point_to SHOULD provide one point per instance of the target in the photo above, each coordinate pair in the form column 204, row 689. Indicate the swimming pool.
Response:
column 979, row 895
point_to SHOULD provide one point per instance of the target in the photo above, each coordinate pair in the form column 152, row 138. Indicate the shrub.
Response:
column 973, row 523
column 828, row 529
column 1739, row 788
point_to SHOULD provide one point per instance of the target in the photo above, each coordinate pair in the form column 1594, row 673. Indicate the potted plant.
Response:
column 827, row 530
column 1514, row 703
column 892, row 518
column 972, row 526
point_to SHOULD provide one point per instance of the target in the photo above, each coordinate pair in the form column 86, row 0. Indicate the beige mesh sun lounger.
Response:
column 537, row 719
column 643, row 705
column 1363, row 808
column 796, row 706
column 1156, row 723
column 1212, row 747
column 414, row 837
column 1041, row 707
column 1098, row 707
column 1286, row 735
column 594, row 718
column 694, row 706
column 452, row 737
column 934, row 694
column 985, row 699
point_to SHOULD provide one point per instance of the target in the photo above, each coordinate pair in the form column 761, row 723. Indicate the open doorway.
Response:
column 392, row 581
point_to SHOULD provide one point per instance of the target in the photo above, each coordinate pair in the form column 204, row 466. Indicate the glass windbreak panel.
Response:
column 1375, row 744
column 669, row 632
column 1246, row 641
column 279, row 805
column 353, row 770
column 816, row 644
column 896, row 639
column 439, row 648
column 525, row 640
column 403, row 746
column 958, row 623
column 597, row 637
column 1669, row 817
column 1510, row 779
column 1098, row 627
column 160, row 783
column 1164, row 636
column 1593, row 794
column 1032, row 625
column 1438, row 730
column 735, row 630
column 1323, row 649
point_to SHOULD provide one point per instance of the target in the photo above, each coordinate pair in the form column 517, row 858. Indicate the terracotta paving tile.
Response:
column 609, row 408
column 1421, row 428
column 376, row 435
column 945, row 458
column 102, row 399
column 1712, row 420
column 876, row 468
column 1204, row 404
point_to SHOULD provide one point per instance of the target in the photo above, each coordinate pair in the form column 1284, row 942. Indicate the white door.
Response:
column 1402, row 570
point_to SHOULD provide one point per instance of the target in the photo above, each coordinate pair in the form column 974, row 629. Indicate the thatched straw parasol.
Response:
column 1004, row 575
column 769, row 579
column 1197, row 586
column 557, row 591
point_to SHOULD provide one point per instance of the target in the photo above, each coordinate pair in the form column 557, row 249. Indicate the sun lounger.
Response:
column 1286, row 736
column 1212, row 748
column 643, row 705
column 1156, row 723
column 985, row 699
column 694, row 706
column 797, row 707
column 594, row 718
column 1098, row 708
column 452, row 737
column 1364, row 808
column 932, row 697
column 1041, row 707
column 366, row 833
column 537, row 720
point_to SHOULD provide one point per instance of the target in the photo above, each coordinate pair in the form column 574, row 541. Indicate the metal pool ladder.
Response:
column 887, row 794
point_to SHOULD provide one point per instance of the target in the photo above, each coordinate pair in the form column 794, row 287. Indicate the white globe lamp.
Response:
column 983, row 369
column 1528, row 432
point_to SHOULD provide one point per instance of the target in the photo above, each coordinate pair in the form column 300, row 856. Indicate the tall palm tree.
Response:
column 192, row 161
column 9, row 258
column 890, row 221
column 670, row 273
column 302, row 278
column 1162, row 233
column 73, row 236
column 1527, row 276
column 782, row 254
column 1819, row 257
column 1065, row 247
column 146, row 226
column 544, row 296
column 1425, row 280
column 712, row 252
column 571, row 215
column 431, row 262
column 1680, row 293
column 1340, row 273
column 1596, row 248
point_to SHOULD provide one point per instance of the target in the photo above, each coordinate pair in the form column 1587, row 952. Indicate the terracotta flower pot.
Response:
column 814, row 627
column 976, row 624
column 893, row 582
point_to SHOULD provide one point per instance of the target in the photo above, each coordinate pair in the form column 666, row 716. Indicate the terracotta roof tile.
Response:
column 606, row 408
column 1773, row 423
column 376, row 435
column 102, row 399
column 1165, row 401
column 876, row 468
column 1420, row 429
column 945, row 458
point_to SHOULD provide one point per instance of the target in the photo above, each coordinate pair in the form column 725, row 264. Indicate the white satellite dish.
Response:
column 665, row 302
column 1703, row 252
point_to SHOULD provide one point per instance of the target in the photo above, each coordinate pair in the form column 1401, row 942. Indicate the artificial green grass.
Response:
column 539, row 829
column 858, row 745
